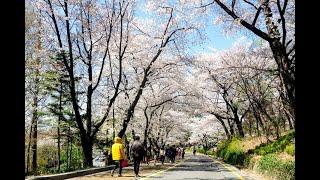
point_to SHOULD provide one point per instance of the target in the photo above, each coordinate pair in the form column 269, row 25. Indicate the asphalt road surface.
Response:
column 199, row 167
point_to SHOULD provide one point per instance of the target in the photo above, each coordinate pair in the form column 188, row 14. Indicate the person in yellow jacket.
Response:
column 118, row 154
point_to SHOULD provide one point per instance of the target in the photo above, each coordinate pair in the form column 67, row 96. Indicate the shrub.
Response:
column 201, row 150
column 209, row 152
column 46, row 159
column 271, row 165
column 222, row 145
column 290, row 149
column 231, row 151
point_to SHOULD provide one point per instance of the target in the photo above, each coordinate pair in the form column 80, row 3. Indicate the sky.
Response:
column 216, row 39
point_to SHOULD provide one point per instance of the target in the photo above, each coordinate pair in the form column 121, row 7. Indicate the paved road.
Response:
column 199, row 167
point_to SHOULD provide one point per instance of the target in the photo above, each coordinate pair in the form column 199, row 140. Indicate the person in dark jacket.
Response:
column 183, row 152
column 137, row 153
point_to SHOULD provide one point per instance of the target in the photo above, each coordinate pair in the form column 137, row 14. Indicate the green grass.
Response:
column 290, row 149
column 273, row 166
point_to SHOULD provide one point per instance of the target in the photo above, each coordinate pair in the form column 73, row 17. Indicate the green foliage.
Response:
column 276, row 146
column 231, row 151
column 222, row 145
column 46, row 159
column 248, row 161
column 271, row 165
column 76, row 159
column 290, row 149
column 204, row 151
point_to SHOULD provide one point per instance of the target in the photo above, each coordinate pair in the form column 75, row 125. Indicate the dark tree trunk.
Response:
column 58, row 128
column 28, row 150
column 250, row 127
column 257, row 127
column 289, row 120
column 67, row 161
column 146, row 127
column 238, row 122
column 70, row 154
column 224, row 126
column 113, row 125
column 87, row 146
column 231, row 127
column 34, row 123
column 130, row 111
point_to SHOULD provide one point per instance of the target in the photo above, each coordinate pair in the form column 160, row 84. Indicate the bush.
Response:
column 290, row 149
column 271, row 165
column 46, row 159
column 247, row 160
column 203, row 151
column 222, row 145
column 231, row 151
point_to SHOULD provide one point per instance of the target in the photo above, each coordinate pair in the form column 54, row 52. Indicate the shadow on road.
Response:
column 199, row 163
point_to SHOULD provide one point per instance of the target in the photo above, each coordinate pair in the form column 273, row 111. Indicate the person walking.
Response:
column 137, row 152
column 173, row 153
column 162, row 155
column 183, row 152
column 118, row 155
column 155, row 156
column 194, row 150
column 169, row 153
column 106, row 160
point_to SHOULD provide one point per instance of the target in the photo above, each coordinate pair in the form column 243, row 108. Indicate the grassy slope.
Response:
column 275, row 159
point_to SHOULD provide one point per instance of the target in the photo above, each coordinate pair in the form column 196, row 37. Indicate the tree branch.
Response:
column 253, row 29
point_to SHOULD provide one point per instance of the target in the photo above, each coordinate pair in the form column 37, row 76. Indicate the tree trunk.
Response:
column 257, row 127
column 70, row 154
column 230, row 127
column 130, row 111
column 289, row 120
column 28, row 151
column 279, row 53
column 250, row 127
column 34, row 123
column 68, row 142
column 238, row 122
column 113, row 124
column 278, row 49
column 59, row 119
column 146, row 127
column 87, row 146
column 224, row 126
